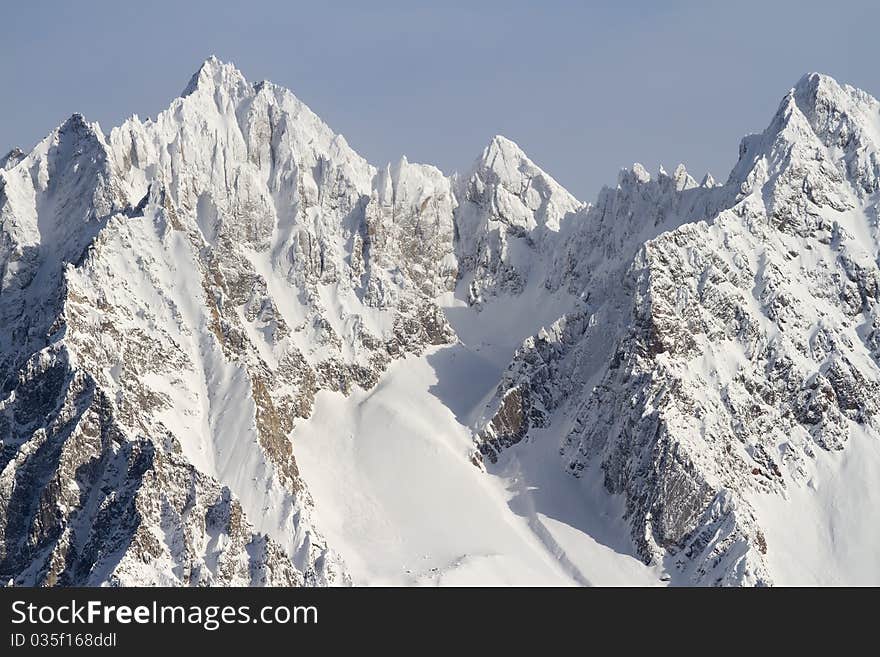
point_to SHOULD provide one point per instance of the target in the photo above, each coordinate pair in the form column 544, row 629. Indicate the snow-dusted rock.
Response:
column 174, row 294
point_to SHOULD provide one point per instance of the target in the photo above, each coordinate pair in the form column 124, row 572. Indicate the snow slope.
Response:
column 402, row 502
column 822, row 532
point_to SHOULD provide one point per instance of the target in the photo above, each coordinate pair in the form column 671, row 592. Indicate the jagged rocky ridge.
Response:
column 174, row 294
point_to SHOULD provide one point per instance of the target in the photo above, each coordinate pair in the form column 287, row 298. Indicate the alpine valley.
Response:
column 234, row 352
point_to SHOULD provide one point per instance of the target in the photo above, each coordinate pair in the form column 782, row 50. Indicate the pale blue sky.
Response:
column 584, row 87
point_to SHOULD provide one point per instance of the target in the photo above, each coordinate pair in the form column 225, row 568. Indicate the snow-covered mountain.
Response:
column 234, row 352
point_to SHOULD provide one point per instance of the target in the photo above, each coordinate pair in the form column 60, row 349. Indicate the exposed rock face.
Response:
column 175, row 293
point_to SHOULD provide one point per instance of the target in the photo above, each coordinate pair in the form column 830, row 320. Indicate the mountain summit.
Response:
column 237, row 353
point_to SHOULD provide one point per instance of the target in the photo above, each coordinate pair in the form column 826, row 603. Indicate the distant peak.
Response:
column 812, row 82
column 12, row 158
column 824, row 103
column 636, row 174
column 214, row 73
column 504, row 156
column 682, row 179
column 501, row 145
column 77, row 124
column 75, row 120
column 818, row 92
column 813, row 86
column 212, row 66
column 500, row 141
column 504, row 162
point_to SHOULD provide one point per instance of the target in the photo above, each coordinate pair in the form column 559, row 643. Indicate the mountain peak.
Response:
column 820, row 97
column 75, row 121
column 815, row 89
column 818, row 84
column 636, row 174
column 817, row 112
column 500, row 144
column 502, row 153
column 77, row 127
column 510, row 165
column 214, row 73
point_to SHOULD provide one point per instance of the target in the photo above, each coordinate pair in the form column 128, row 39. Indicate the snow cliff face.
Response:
column 174, row 295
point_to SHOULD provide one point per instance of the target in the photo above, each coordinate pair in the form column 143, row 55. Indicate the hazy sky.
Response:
column 585, row 88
